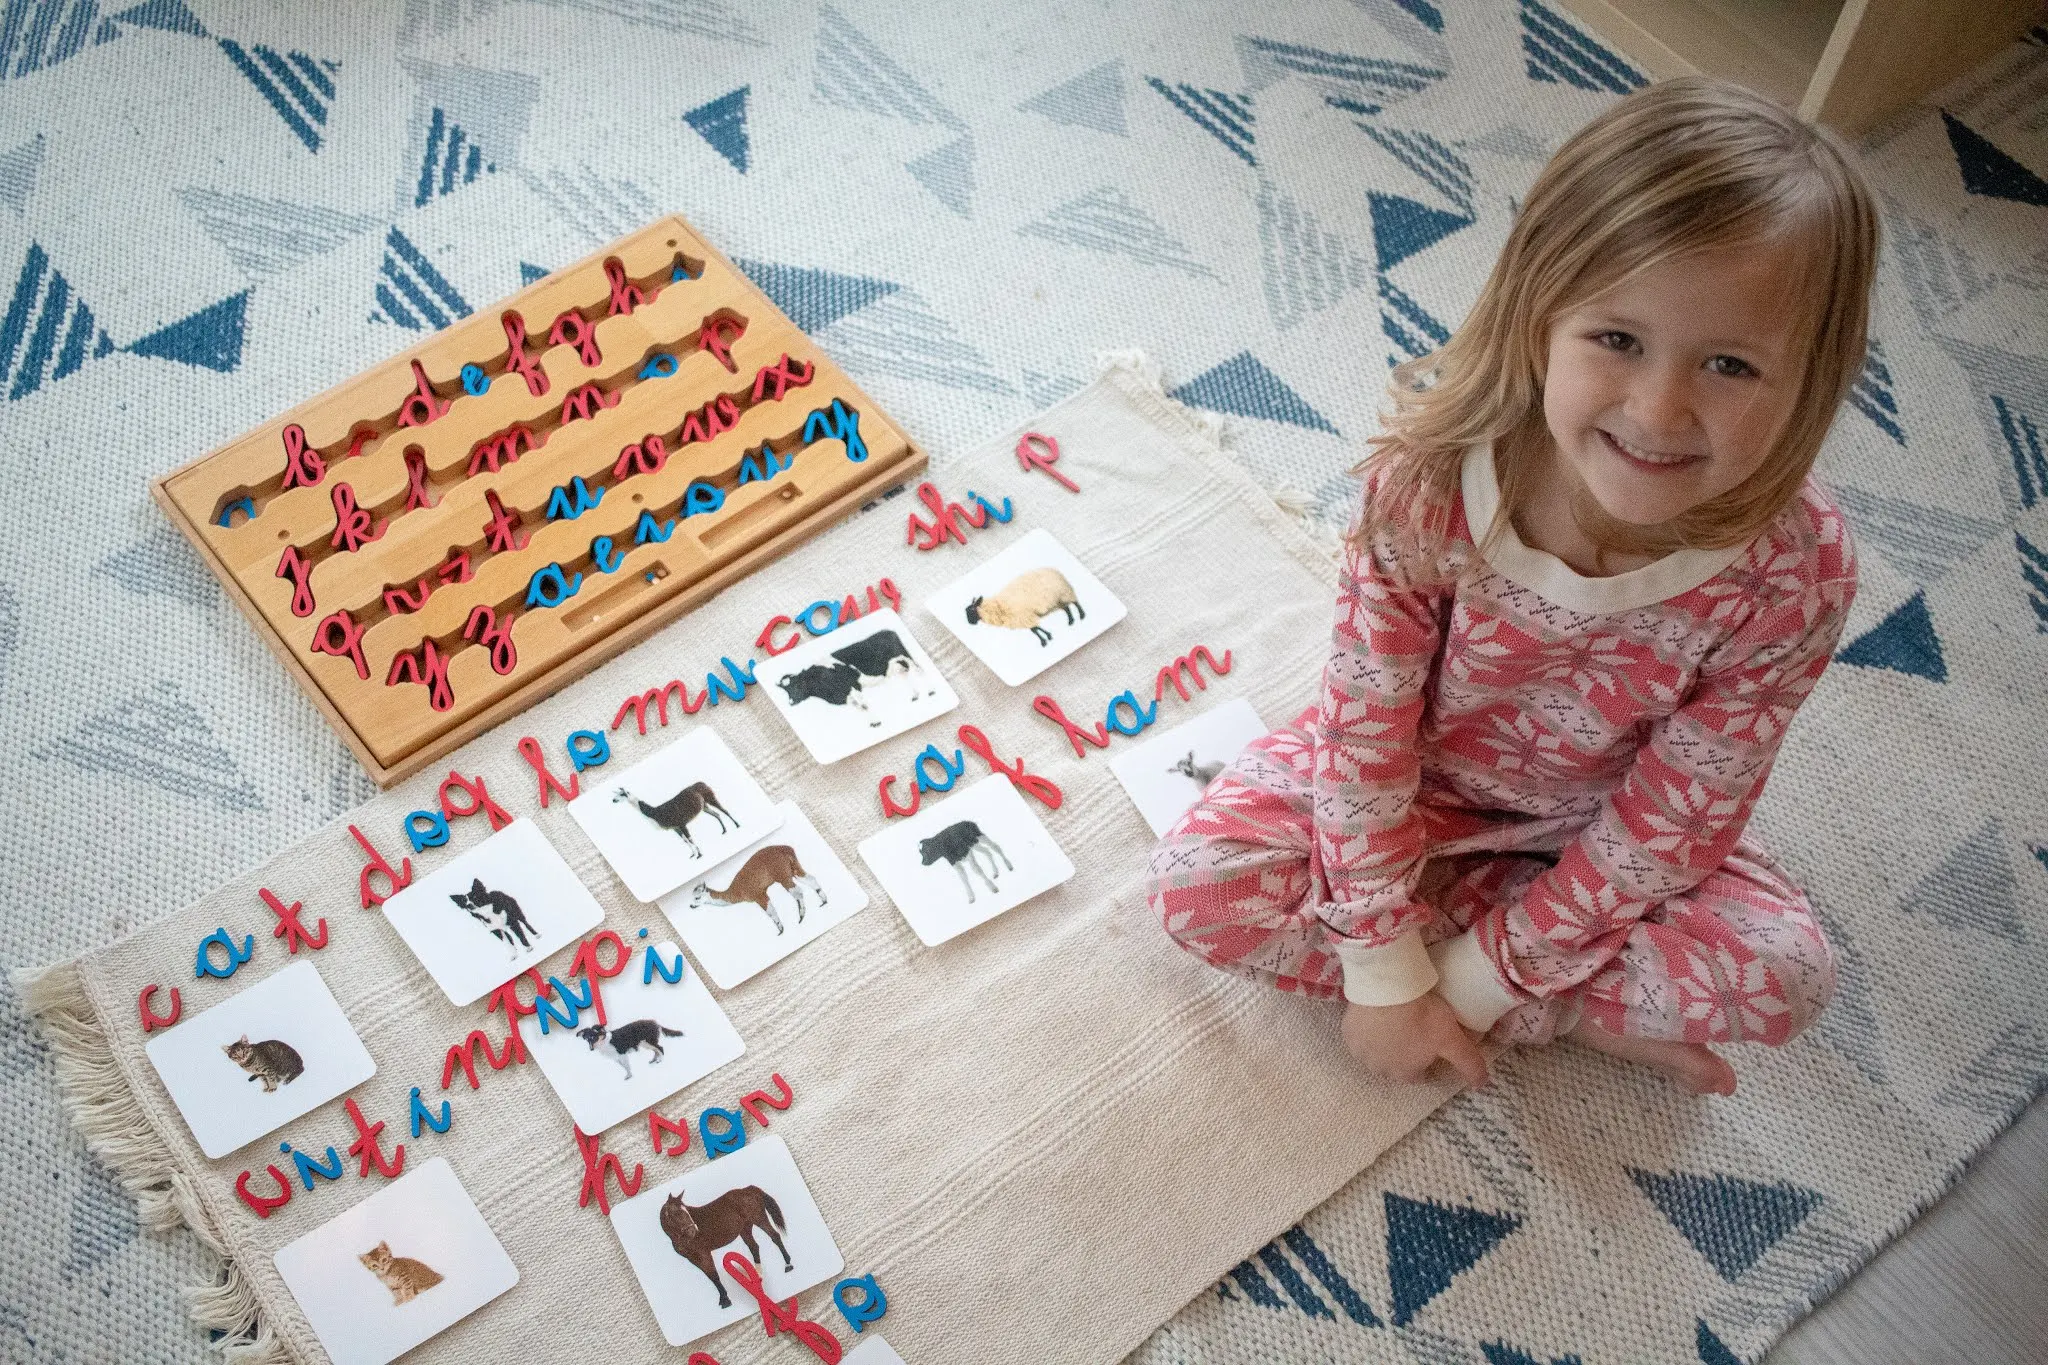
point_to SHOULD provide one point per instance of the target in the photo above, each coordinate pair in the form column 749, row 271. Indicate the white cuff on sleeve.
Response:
column 1386, row 973
column 1468, row 983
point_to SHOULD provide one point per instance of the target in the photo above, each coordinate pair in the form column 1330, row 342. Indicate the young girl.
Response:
column 1588, row 587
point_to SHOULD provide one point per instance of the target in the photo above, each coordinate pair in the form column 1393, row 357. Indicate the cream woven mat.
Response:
column 1042, row 1138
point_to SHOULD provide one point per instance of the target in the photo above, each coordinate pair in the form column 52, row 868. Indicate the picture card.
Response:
column 852, row 688
column 873, row 1350
column 754, row 1200
column 669, row 817
column 412, row 1260
column 259, row 1059
column 492, row 912
column 654, row 1039
column 1026, row 608
column 759, row 906
column 1169, row 772
column 965, row 860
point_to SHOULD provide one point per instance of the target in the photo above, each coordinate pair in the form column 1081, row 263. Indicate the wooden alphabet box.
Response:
column 447, row 538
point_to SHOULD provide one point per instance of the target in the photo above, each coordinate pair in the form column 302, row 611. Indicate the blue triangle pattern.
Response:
column 266, row 237
column 1435, row 164
column 1426, row 14
column 1333, row 1281
column 1500, row 1353
column 723, row 123
column 1429, row 1244
column 1363, row 85
column 1989, row 172
column 1243, row 386
column 1972, row 888
column 102, row 1222
column 1408, row 325
column 948, row 172
column 2023, row 443
column 815, row 299
column 1871, row 394
column 1094, row 99
column 1904, row 642
column 2034, row 572
column 161, row 564
column 1730, row 1221
column 852, row 73
column 411, row 292
column 46, row 333
column 295, row 85
column 1304, row 266
column 1709, row 1347
column 1290, row 1280
column 1418, row 24
column 160, row 739
column 1107, row 221
column 18, row 169
column 1225, row 117
column 37, row 34
column 1247, row 1278
column 1401, row 227
column 529, row 272
column 1259, row 1290
column 451, row 159
column 1556, row 51
column 210, row 338
column 169, row 15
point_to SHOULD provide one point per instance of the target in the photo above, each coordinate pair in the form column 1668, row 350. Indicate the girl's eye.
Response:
column 1730, row 367
column 1616, row 341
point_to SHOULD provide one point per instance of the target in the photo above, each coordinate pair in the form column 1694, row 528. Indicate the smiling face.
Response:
column 1669, row 389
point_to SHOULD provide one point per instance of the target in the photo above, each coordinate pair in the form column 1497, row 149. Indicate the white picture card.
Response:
column 264, row 1056
column 672, row 815
column 850, row 689
column 656, row 1038
column 403, row 1265
column 492, row 912
column 677, row 1235
column 964, row 860
column 1167, row 773
column 1026, row 608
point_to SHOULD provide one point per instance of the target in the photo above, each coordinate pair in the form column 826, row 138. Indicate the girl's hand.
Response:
column 1402, row 1042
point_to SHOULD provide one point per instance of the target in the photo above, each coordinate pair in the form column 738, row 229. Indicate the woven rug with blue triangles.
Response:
column 210, row 210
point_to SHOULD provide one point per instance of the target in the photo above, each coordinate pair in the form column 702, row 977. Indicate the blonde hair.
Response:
column 1677, row 168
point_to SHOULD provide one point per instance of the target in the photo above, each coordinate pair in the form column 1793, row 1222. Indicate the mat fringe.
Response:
column 100, row 1104
column 1292, row 501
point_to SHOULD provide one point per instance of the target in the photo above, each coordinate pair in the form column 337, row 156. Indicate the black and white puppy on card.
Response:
column 627, row 1039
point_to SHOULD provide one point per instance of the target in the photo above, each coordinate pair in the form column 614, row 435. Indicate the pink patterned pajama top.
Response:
column 1527, row 789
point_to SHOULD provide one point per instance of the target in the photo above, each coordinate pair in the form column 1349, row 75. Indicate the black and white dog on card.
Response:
column 626, row 1039
column 498, row 913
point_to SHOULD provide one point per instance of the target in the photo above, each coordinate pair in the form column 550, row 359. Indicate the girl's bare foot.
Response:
column 1693, row 1065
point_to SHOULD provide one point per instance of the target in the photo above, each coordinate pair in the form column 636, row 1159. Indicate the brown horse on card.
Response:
column 698, row 1231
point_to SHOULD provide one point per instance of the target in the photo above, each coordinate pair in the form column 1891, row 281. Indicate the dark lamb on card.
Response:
column 679, row 810
column 498, row 913
column 964, row 846
column 628, row 1038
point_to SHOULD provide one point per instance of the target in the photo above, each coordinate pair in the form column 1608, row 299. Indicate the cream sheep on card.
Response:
column 1026, row 600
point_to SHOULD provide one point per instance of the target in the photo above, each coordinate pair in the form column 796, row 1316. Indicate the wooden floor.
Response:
column 1966, row 1285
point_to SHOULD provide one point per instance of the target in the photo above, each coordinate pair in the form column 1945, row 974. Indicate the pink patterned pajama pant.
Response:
column 1737, row 959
